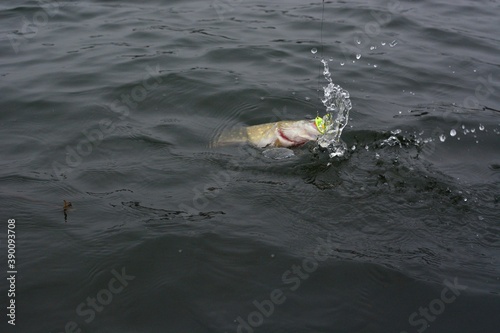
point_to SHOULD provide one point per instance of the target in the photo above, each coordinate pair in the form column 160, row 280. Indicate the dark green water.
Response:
column 111, row 105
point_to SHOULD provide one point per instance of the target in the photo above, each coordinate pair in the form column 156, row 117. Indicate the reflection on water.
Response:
column 412, row 202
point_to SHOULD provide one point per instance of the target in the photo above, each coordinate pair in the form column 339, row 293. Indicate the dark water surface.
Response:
column 111, row 105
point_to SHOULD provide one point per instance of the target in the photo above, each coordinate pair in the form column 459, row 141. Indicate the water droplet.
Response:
column 314, row 50
column 358, row 56
column 358, row 42
column 373, row 48
column 481, row 127
column 453, row 132
column 382, row 43
column 377, row 156
column 272, row 255
column 393, row 43
column 353, row 148
column 375, row 65
column 396, row 131
column 331, row 59
column 342, row 64
column 442, row 137
column 180, row 251
column 473, row 130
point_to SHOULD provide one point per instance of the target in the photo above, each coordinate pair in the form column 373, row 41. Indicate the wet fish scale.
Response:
column 280, row 134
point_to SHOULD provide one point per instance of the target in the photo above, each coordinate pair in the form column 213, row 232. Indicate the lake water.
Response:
column 112, row 105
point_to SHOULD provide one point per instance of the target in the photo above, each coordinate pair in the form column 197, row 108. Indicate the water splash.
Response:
column 337, row 103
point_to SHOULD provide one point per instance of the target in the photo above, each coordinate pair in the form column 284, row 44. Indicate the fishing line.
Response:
column 321, row 46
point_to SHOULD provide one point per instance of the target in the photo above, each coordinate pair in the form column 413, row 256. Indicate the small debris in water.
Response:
column 66, row 206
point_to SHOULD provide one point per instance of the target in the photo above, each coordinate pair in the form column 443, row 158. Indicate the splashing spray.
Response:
column 338, row 104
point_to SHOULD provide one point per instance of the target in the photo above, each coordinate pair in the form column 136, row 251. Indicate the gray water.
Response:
column 112, row 105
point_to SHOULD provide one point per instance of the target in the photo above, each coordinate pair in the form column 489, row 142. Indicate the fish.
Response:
column 285, row 133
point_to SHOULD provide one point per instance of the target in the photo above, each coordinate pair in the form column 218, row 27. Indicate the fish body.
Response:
column 287, row 133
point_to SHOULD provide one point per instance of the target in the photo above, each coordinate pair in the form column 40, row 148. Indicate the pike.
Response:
column 286, row 133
